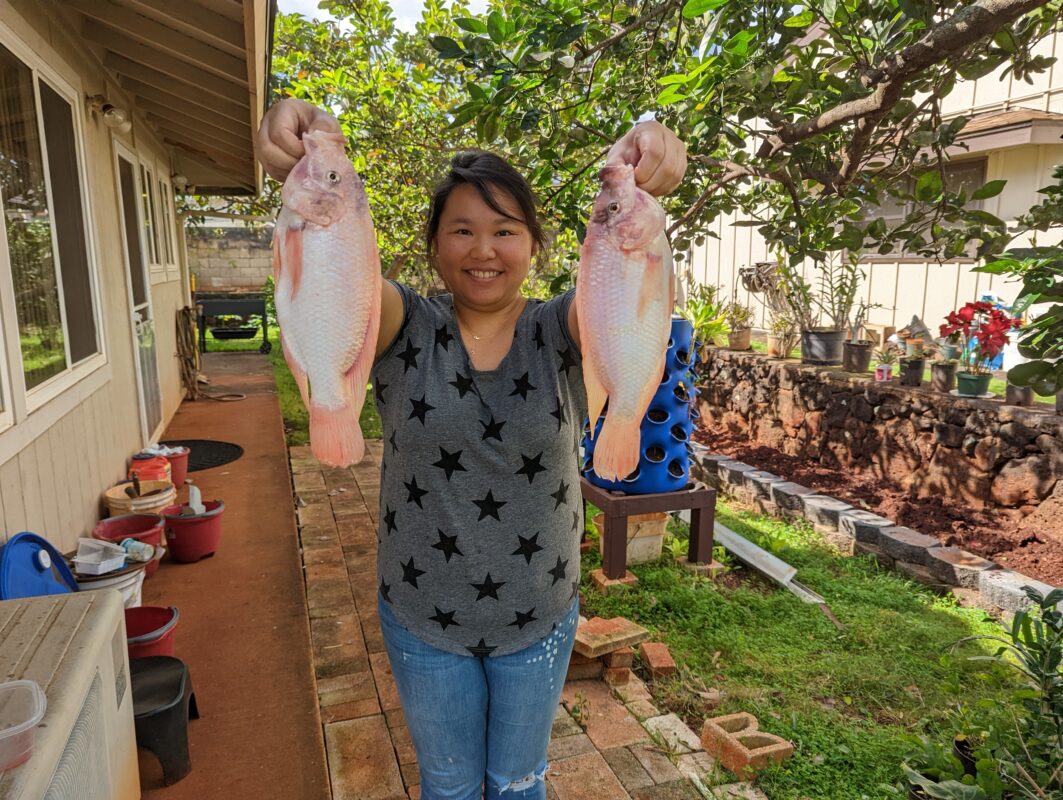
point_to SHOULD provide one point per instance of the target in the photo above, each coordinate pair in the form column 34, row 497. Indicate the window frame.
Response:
column 173, row 263
column 20, row 402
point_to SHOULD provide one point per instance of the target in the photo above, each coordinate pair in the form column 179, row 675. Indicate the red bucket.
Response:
column 179, row 467
column 145, row 528
column 150, row 631
column 192, row 538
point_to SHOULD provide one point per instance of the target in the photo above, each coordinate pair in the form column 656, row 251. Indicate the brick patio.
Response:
column 620, row 753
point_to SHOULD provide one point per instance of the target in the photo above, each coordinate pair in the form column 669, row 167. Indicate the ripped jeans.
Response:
column 480, row 726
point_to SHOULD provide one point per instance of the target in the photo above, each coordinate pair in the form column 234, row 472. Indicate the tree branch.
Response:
column 616, row 37
column 734, row 173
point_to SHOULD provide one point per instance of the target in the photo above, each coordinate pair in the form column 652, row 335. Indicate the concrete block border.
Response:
column 974, row 580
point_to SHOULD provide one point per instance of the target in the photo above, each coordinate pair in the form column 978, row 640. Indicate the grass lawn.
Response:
column 848, row 699
column 296, row 418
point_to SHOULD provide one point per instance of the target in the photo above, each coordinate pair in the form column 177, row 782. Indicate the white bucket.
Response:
column 129, row 584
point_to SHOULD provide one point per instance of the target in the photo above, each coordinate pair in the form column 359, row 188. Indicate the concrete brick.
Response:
column 411, row 777
column 385, row 682
column 866, row 548
column 698, row 765
column 658, row 659
column 643, row 710
column 584, row 672
column 346, row 688
column 823, row 511
column 361, row 760
column 904, row 544
column 738, row 743
column 705, row 570
column 634, row 690
column 627, row 768
column 863, row 525
column 789, row 497
column 584, row 777
column 599, row 636
column 675, row 733
column 657, row 764
column 400, row 739
column 579, row 658
column 708, row 463
column 732, row 474
column 737, row 791
column 957, row 567
column 338, row 646
column 608, row 586
column 563, row 725
column 1003, row 589
column 619, row 658
column 352, row 710
column 608, row 723
column 681, row 789
column 758, row 483
column 616, row 676
column 920, row 574
column 569, row 746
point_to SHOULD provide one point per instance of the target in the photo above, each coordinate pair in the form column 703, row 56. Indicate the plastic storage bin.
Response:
column 664, row 465
column 95, row 557
column 22, row 706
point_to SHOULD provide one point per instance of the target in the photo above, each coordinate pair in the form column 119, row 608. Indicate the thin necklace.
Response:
column 470, row 330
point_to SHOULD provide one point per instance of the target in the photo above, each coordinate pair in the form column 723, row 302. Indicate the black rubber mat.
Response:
column 207, row 453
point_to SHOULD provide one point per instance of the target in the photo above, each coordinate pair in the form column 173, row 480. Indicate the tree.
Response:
column 803, row 118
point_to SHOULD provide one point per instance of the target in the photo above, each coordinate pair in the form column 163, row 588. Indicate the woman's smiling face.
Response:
column 482, row 255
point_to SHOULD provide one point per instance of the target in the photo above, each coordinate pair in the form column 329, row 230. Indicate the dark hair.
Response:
column 488, row 174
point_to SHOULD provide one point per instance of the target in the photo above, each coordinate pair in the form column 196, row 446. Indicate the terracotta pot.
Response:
column 856, row 356
column 775, row 346
column 739, row 340
column 943, row 377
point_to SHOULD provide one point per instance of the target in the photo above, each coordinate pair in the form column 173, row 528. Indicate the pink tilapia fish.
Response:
column 326, row 272
column 624, row 296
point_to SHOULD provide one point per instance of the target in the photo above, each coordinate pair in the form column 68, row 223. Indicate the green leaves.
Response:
column 990, row 189
column 447, row 47
column 928, row 186
column 802, row 20
column 695, row 8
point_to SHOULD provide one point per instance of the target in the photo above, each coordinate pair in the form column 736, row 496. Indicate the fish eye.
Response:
column 333, row 176
column 614, row 208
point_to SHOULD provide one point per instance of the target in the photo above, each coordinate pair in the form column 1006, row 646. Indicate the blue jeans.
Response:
column 480, row 726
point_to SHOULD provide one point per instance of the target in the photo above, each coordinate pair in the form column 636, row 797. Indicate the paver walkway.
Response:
column 621, row 753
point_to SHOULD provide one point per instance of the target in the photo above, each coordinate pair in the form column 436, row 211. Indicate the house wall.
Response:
column 903, row 287
column 56, row 461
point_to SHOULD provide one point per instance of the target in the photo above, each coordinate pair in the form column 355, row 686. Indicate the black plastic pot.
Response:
column 233, row 333
column 912, row 371
column 822, row 347
column 856, row 356
column 964, row 751
column 943, row 377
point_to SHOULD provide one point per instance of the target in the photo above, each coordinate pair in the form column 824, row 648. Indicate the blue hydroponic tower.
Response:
column 664, row 465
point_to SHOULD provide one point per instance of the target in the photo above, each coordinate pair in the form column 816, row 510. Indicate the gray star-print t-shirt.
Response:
column 480, row 507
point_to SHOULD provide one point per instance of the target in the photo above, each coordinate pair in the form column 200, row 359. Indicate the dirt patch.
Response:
column 991, row 533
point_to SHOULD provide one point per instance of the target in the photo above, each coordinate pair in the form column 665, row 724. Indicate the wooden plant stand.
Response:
column 617, row 507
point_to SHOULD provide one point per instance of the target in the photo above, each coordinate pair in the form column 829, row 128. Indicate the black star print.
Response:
column 559, row 570
column 394, row 444
column 482, row 649
column 489, row 506
column 415, row 493
column 492, row 430
column 575, row 589
column 561, row 495
column 445, row 619
column 443, row 338
column 389, row 520
column 420, row 408
column 380, row 387
column 448, row 545
column 531, row 467
column 410, row 573
column 568, row 359
column 523, row 618
column 384, row 589
column 575, row 519
column 449, row 463
column 463, row 384
column 559, row 413
column 528, row 547
column 409, row 355
column 539, row 343
column 523, row 386
column 488, row 588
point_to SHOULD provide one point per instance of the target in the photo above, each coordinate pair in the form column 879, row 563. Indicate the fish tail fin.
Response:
column 335, row 435
column 616, row 451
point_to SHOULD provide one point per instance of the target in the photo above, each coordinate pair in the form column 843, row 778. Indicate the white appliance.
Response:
column 74, row 646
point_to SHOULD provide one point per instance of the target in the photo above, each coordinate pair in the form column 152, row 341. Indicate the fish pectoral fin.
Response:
column 293, row 257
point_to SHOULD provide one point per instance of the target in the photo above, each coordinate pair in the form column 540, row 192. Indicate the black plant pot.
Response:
column 822, row 347
column 1059, row 403
column 964, row 751
column 912, row 371
column 233, row 333
column 856, row 356
column 943, row 377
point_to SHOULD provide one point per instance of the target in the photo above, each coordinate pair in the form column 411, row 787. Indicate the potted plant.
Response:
column 739, row 321
column 832, row 303
column 983, row 332
column 856, row 352
column 782, row 336
column 885, row 358
column 950, row 347
column 943, row 374
column 912, row 371
column 705, row 316
column 234, row 326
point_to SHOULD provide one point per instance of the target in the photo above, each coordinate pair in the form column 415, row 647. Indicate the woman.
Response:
column 482, row 401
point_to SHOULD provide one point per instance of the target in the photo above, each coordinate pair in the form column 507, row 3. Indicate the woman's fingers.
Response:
column 279, row 141
column 658, row 155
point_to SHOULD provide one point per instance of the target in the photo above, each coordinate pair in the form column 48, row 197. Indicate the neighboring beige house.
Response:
column 1015, row 132
column 106, row 107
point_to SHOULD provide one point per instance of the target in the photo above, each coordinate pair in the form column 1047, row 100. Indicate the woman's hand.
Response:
column 658, row 156
column 279, row 143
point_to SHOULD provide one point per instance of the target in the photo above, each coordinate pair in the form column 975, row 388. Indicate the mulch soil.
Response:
column 990, row 533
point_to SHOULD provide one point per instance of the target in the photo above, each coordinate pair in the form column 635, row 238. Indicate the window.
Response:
column 44, row 219
column 151, row 223
column 166, row 221
column 965, row 176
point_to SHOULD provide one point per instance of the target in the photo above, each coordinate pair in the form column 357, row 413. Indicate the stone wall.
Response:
column 983, row 451
column 230, row 257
